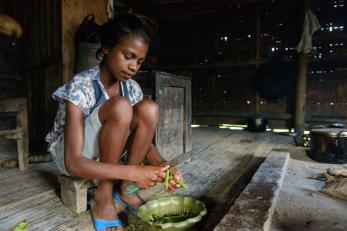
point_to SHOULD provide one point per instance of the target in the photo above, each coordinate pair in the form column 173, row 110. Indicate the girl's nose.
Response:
column 133, row 66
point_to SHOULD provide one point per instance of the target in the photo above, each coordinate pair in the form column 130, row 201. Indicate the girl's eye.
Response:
column 128, row 56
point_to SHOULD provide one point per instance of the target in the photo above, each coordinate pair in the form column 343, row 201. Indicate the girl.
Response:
column 97, row 109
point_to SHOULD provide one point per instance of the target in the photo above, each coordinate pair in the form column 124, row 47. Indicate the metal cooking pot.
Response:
column 328, row 145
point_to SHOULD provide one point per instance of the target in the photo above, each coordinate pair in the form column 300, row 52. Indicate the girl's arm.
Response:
column 77, row 165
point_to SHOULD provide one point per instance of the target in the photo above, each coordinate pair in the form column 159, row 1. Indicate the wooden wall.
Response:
column 47, row 53
column 222, row 49
column 73, row 13
column 40, row 61
column 10, row 79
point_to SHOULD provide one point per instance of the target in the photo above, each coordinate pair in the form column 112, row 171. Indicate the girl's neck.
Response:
column 107, row 78
column 110, row 82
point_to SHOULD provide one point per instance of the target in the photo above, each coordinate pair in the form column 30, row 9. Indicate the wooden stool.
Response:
column 73, row 192
column 20, row 133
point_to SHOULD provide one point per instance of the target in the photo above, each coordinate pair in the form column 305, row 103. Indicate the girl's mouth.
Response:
column 126, row 75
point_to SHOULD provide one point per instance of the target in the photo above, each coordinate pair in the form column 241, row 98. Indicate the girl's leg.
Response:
column 115, row 116
column 143, row 125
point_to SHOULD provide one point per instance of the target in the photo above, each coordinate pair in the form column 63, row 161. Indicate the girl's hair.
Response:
column 121, row 26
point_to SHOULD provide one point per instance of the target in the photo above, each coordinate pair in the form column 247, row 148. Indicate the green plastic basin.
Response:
column 171, row 213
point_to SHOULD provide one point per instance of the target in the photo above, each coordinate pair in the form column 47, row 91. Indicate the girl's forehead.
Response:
column 132, row 40
column 134, row 44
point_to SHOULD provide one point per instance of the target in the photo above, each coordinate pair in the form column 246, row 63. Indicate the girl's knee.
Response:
column 118, row 108
column 148, row 110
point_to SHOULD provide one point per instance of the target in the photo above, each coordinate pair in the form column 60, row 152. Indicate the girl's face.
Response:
column 125, row 59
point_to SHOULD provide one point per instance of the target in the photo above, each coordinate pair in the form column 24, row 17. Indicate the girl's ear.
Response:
column 105, row 50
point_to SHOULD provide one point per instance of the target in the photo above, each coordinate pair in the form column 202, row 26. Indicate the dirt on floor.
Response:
column 301, row 204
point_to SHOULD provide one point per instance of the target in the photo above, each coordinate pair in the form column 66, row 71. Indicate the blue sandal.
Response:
column 119, row 200
column 101, row 225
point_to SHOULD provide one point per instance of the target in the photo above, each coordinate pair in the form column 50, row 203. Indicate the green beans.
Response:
column 169, row 218
column 178, row 181
column 169, row 175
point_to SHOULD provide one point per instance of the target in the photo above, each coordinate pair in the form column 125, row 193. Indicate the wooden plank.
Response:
column 170, row 92
column 26, row 180
column 49, row 167
column 188, row 117
column 254, row 208
column 11, row 134
column 23, row 140
column 192, row 167
column 34, row 189
column 202, row 139
column 235, row 179
column 12, row 104
column 171, row 116
column 28, row 210
column 16, row 186
column 167, row 79
column 171, row 141
column 172, row 96
column 82, row 223
column 171, row 134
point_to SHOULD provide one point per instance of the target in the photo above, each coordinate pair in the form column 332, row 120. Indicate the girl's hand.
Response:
column 178, row 175
column 148, row 176
column 172, row 186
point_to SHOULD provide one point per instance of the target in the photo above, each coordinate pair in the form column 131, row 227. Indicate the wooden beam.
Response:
column 163, row 11
column 214, row 65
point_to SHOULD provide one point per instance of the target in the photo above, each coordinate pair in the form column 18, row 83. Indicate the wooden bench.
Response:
column 17, row 107
column 73, row 192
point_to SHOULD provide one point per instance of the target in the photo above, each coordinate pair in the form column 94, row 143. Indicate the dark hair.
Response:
column 119, row 27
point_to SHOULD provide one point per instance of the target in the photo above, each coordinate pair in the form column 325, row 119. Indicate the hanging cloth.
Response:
column 310, row 26
column 110, row 9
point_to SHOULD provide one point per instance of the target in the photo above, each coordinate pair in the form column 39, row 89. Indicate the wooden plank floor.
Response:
column 217, row 169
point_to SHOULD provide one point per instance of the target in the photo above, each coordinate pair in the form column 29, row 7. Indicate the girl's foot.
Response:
column 132, row 199
column 104, row 209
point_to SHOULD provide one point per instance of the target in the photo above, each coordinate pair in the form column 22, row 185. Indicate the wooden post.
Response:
column 300, row 104
column 301, row 97
column 23, row 142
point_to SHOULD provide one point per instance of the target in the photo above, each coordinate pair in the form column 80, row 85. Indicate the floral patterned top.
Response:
column 86, row 91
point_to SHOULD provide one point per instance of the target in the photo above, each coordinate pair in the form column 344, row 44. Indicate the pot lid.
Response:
column 333, row 132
